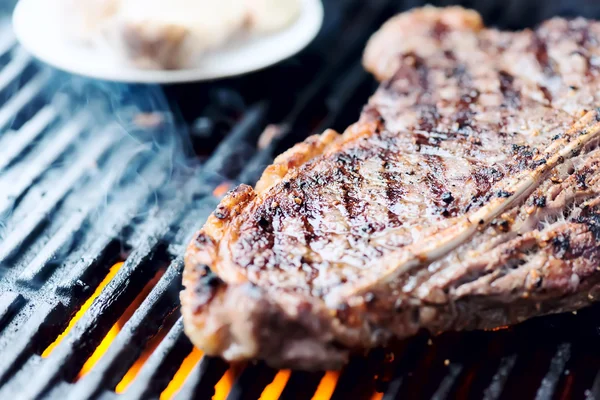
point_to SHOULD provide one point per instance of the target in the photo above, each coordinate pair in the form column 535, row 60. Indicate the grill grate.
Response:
column 92, row 173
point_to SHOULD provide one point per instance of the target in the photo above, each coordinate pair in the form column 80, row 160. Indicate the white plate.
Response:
column 37, row 27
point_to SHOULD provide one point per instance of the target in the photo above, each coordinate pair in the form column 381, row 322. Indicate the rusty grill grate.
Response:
column 97, row 202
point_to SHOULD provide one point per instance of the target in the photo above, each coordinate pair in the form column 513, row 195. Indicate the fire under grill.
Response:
column 101, row 186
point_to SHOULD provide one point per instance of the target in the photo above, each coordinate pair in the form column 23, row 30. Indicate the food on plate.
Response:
column 159, row 34
column 467, row 196
column 83, row 20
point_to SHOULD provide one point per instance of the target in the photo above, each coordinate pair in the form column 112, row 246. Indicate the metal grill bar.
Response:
column 9, row 303
column 162, row 364
column 24, row 344
column 130, row 341
column 594, row 392
column 7, row 39
column 557, row 366
column 75, row 222
column 251, row 382
column 13, row 145
column 67, row 358
column 494, row 390
column 201, row 382
column 343, row 93
column 53, row 148
column 80, row 167
column 59, row 361
column 24, row 96
column 356, row 380
column 412, row 351
column 120, row 212
column 447, row 382
column 191, row 223
column 11, row 72
column 230, row 156
column 301, row 385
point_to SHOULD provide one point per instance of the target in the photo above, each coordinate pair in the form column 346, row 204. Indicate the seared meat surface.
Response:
column 466, row 196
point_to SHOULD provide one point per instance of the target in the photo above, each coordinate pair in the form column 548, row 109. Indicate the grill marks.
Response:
column 362, row 185
column 394, row 188
column 428, row 121
column 546, row 93
column 440, row 30
column 469, row 96
column 484, row 178
column 568, row 229
column 540, row 50
column 430, row 117
column 428, row 145
column 455, row 133
column 412, row 70
column 512, row 97
column 567, row 63
column 308, row 213
column 374, row 184
column 435, row 180
column 464, row 114
column 377, row 192
column 258, row 251
column 348, row 173
column 445, row 125
column 422, row 72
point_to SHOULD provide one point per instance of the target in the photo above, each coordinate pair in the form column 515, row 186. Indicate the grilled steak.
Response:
column 467, row 196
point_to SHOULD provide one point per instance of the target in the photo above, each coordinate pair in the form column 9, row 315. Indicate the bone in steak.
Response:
column 467, row 196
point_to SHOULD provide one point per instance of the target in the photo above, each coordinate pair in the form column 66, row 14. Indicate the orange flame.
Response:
column 498, row 328
column 327, row 386
column 111, row 334
column 271, row 392
column 377, row 396
column 137, row 365
column 222, row 388
column 151, row 346
column 179, row 378
column 221, row 189
column 274, row 389
column 114, row 330
column 100, row 350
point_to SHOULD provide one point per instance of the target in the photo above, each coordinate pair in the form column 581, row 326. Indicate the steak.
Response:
column 467, row 196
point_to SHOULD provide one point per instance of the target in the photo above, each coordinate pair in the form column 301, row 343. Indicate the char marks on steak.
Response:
column 467, row 196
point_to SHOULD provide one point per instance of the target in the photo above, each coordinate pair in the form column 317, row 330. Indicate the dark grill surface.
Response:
column 94, row 173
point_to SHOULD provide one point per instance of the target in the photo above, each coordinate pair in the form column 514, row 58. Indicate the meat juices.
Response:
column 466, row 196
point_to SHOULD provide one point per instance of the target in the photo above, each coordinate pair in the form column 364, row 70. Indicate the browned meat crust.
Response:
column 467, row 196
